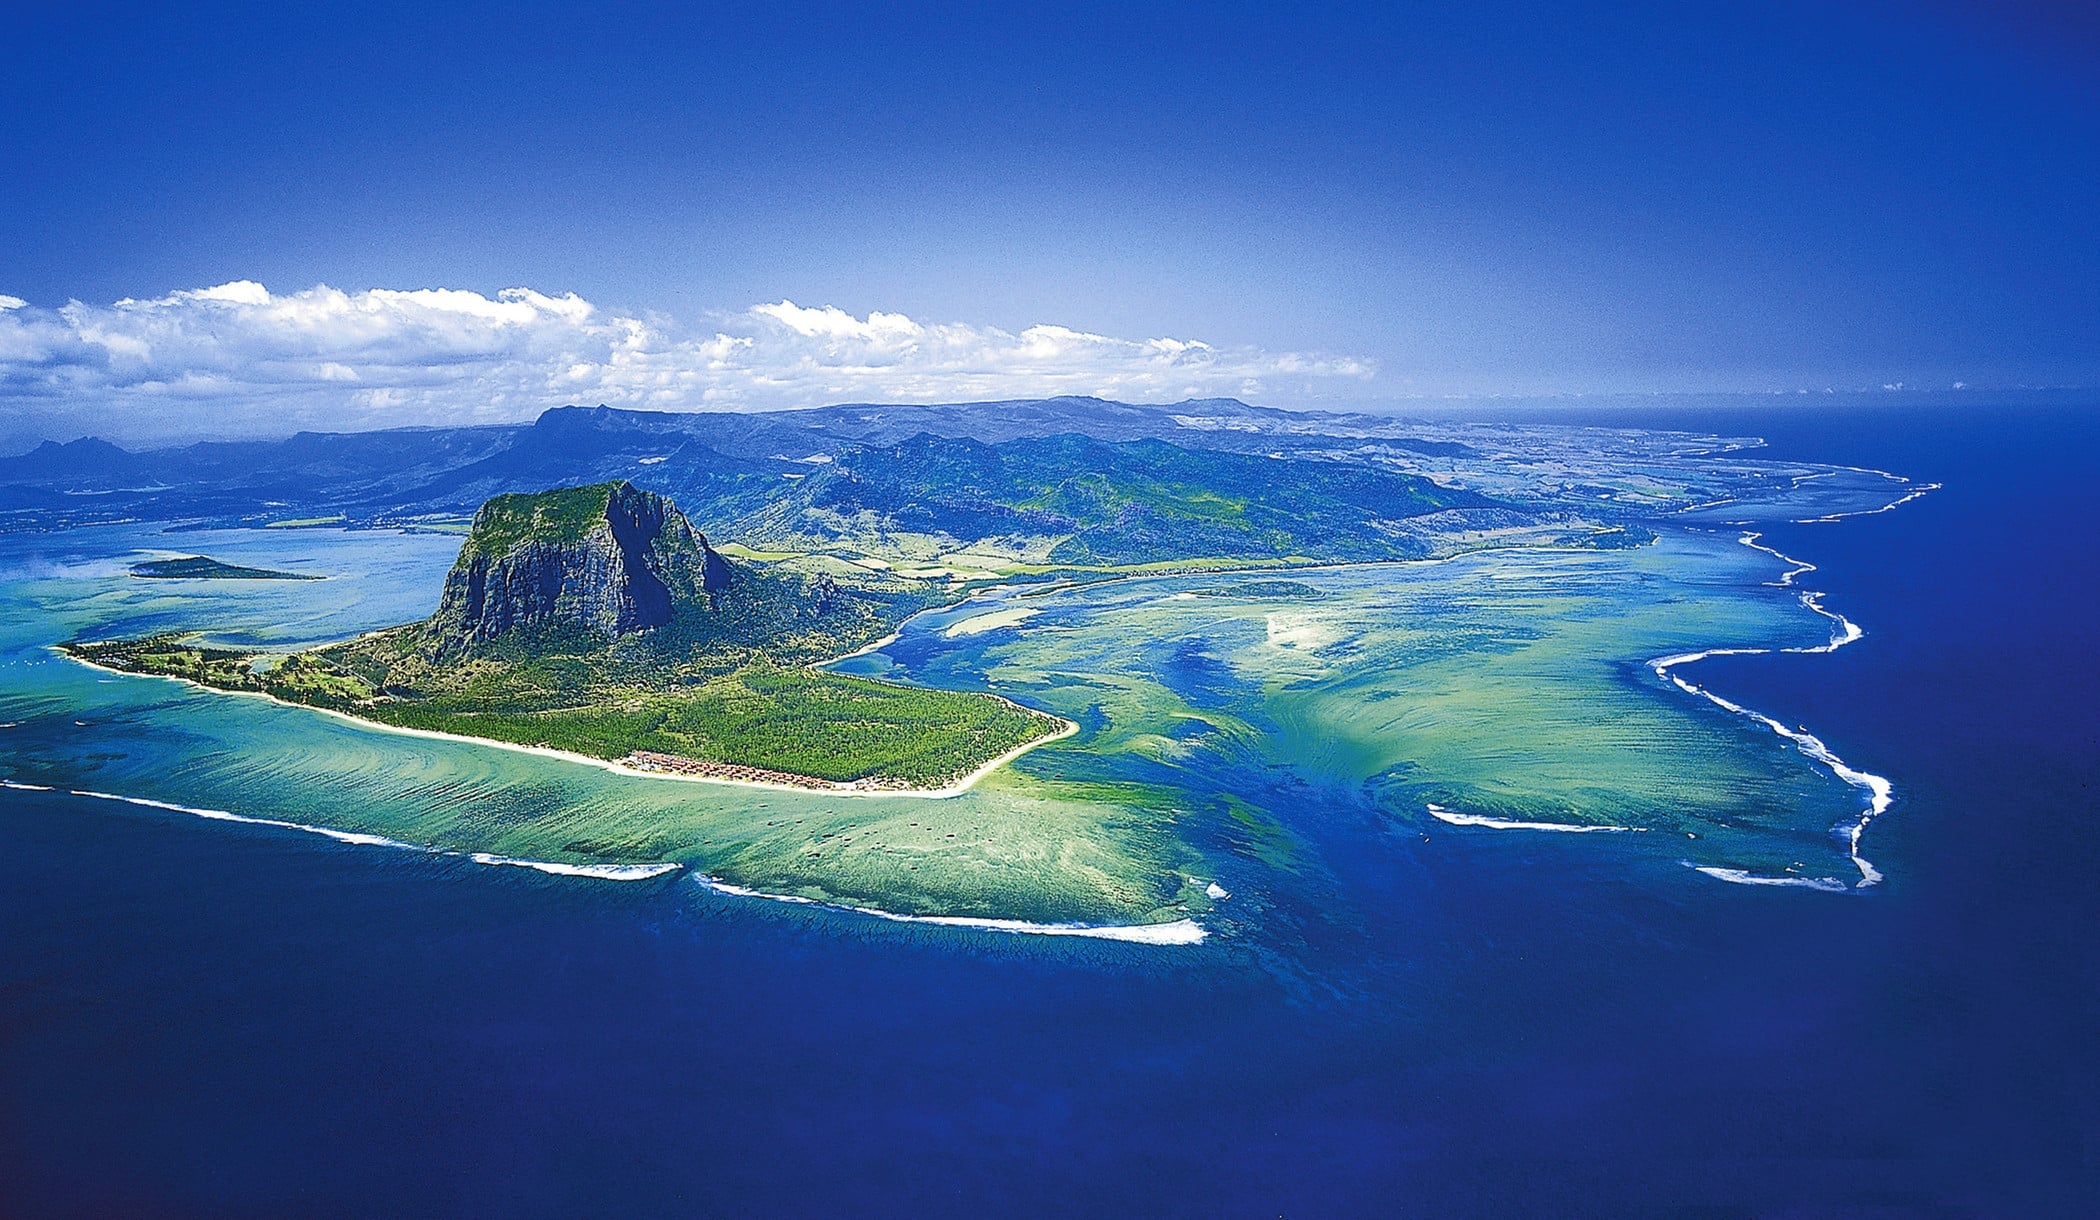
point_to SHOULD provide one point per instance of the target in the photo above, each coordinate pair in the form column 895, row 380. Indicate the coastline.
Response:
column 815, row 784
column 1844, row 632
column 619, row 766
column 1880, row 791
column 1183, row 931
column 602, row 872
column 1170, row 933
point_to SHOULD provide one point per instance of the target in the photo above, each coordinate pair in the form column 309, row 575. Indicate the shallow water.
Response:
column 223, row 1019
column 1513, row 688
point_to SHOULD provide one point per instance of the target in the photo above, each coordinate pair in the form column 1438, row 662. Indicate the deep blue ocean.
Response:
column 213, row 1020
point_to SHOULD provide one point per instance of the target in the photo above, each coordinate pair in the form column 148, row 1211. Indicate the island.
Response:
column 597, row 621
column 204, row 567
column 805, row 678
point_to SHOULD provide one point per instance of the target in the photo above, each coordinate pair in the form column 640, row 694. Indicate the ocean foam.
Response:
column 1880, row 792
column 1844, row 632
column 1179, row 932
column 1738, row 876
column 1913, row 494
column 602, row 872
column 220, row 815
column 1474, row 819
column 1801, row 566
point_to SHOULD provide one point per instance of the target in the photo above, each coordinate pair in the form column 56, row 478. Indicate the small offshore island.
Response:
column 203, row 567
column 1467, row 629
column 596, row 621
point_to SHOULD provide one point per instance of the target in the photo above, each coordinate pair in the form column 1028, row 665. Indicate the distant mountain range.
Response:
column 1083, row 500
column 406, row 474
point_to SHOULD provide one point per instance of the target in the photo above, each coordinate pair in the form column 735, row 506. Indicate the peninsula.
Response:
column 597, row 621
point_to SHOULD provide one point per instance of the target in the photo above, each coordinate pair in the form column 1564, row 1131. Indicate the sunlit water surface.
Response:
column 1393, row 1014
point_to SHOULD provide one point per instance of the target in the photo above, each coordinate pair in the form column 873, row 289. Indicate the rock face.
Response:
column 607, row 558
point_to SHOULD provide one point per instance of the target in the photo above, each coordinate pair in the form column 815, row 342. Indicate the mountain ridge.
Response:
column 606, row 557
column 410, row 474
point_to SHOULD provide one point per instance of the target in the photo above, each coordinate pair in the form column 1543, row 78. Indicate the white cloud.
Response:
column 238, row 358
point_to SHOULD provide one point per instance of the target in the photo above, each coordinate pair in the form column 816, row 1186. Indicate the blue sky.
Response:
column 1336, row 205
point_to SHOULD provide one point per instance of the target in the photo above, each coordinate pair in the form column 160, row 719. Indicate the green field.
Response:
column 779, row 718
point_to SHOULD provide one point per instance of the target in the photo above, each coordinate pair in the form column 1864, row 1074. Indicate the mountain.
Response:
column 1092, row 501
column 411, row 474
column 89, row 460
column 310, row 474
column 609, row 558
column 595, row 619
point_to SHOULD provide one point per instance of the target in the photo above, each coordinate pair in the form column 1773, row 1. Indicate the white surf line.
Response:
column 1880, row 793
column 1844, row 630
column 1442, row 814
column 1179, row 932
column 602, row 872
column 1914, row 493
column 1799, row 479
column 1740, row 877
column 1801, row 566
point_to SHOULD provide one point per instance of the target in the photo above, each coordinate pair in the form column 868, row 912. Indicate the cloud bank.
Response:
column 239, row 359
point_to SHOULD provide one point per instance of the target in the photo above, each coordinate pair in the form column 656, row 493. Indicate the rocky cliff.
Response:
column 609, row 558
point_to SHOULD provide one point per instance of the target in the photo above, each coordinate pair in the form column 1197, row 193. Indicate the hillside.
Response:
column 1091, row 501
column 727, row 469
column 409, row 474
column 596, row 620
column 608, row 558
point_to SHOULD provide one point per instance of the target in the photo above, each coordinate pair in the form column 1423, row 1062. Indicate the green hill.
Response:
column 597, row 620
column 1095, row 502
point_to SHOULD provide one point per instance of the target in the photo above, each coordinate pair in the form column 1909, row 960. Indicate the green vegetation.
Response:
column 718, row 681
column 202, row 567
column 559, row 517
column 791, row 720
column 1508, row 686
column 1061, row 502
column 795, row 721
column 169, row 656
column 1295, row 589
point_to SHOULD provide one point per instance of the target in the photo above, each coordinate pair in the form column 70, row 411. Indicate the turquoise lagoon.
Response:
column 1500, row 693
